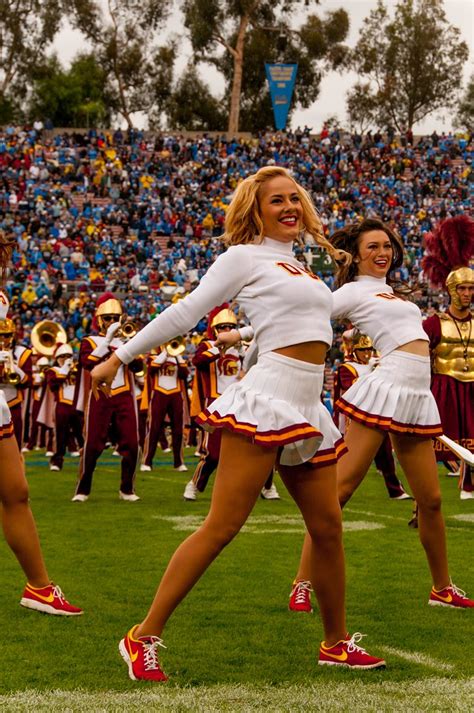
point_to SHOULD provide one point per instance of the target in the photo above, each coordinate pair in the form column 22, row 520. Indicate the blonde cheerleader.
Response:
column 273, row 415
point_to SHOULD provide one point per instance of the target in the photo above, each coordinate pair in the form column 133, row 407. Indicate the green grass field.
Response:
column 232, row 644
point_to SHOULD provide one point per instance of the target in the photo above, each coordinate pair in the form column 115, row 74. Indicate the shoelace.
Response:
column 303, row 589
column 57, row 593
column 353, row 641
column 150, row 658
column 461, row 593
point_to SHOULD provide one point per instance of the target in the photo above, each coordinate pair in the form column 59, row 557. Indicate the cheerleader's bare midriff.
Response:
column 311, row 352
column 418, row 347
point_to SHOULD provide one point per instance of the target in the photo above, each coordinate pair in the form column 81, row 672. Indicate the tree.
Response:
column 191, row 105
column 238, row 36
column 27, row 29
column 123, row 36
column 412, row 63
column 77, row 97
column 465, row 116
column 362, row 107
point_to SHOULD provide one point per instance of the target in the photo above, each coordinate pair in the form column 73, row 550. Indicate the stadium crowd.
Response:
column 141, row 215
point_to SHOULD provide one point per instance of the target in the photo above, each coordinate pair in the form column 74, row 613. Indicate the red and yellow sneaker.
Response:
column 450, row 597
column 49, row 600
column 300, row 597
column 141, row 657
column 347, row 653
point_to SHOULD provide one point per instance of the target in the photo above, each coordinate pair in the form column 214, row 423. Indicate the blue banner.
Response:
column 281, row 82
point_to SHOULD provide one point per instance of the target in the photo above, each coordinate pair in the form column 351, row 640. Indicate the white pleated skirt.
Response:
column 6, row 424
column 395, row 397
column 278, row 404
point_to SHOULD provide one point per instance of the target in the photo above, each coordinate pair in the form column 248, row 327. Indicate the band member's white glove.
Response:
column 19, row 371
column 111, row 332
column 103, row 349
column 160, row 358
column 4, row 357
column 180, row 359
column 66, row 367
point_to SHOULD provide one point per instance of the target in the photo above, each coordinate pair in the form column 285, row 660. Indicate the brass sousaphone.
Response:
column 45, row 337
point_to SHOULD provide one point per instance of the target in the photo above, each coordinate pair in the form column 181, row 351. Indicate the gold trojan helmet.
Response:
column 461, row 276
column 7, row 331
column 361, row 341
column 7, row 326
column 449, row 250
column 225, row 316
column 108, row 305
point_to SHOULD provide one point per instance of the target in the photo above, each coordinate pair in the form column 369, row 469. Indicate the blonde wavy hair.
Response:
column 243, row 223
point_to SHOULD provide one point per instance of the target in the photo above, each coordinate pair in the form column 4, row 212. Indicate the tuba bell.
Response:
column 128, row 328
column 176, row 346
column 45, row 337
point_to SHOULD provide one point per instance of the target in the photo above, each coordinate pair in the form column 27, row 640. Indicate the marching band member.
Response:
column 120, row 410
column 395, row 398
column 449, row 249
column 273, row 414
column 18, row 523
column 216, row 370
column 141, row 397
column 38, row 435
column 358, row 362
column 167, row 374
column 61, row 380
column 15, row 375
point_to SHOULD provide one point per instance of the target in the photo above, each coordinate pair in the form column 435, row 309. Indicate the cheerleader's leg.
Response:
column 314, row 490
column 417, row 458
column 17, row 519
column 242, row 471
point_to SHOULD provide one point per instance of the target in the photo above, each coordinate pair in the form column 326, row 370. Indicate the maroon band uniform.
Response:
column 15, row 393
column 67, row 420
column 119, row 410
column 215, row 372
column 166, row 383
column 39, row 435
column 452, row 382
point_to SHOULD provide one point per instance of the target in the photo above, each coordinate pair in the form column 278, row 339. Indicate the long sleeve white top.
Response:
column 371, row 305
column 284, row 302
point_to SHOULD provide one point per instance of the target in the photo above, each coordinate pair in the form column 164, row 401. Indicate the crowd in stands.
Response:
column 141, row 215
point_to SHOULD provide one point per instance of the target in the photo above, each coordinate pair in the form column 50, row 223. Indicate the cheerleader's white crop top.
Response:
column 4, row 305
column 370, row 304
column 285, row 303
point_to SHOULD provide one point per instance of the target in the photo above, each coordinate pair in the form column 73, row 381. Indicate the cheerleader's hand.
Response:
column 227, row 339
column 374, row 361
column 103, row 374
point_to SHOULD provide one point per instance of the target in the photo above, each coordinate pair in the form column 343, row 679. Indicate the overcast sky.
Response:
column 334, row 86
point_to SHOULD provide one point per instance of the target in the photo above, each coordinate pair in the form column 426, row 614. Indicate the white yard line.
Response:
column 419, row 658
column 399, row 518
column 264, row 524
column 366, row 692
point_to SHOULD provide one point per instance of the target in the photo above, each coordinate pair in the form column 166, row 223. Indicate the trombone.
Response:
column 176, row 346
column 9, row 375
column 128, row 328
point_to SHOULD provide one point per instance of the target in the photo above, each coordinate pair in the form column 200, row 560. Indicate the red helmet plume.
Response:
column 448, row 247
